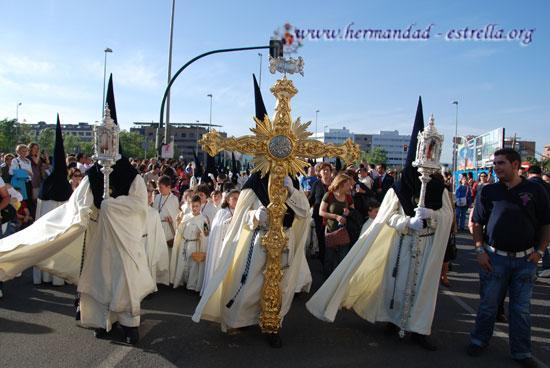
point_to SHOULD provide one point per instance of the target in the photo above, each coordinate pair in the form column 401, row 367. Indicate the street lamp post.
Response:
column 455, row 145
column 210, row 121
column 316, row 116
column 17, row 112
column 260, row 55
column 104, row 78
column 197, row 137
column 167, row 126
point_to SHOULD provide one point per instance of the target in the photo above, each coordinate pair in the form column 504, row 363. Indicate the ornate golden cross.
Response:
column 278, row 148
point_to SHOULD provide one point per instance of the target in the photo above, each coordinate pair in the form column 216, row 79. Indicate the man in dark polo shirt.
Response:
column 534, row 174
column 515, row 214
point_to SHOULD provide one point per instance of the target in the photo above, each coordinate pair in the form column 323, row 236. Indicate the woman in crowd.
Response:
column 318, row 190
column 335, row 207
column 75, row 177
column 463, row 197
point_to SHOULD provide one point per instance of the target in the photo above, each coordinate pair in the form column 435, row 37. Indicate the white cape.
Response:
column 363, row 279
column 154, row 242
column 116, row 273
column 59, row 232
column 226, row 279
column 214, row 249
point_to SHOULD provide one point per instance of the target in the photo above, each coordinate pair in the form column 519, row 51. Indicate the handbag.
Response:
column 337, row 238
column 461, row 202
column 197, row 256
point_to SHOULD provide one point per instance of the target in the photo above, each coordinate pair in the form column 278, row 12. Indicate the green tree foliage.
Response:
column 46, row 140
column 377, row 155
column 8, row 135
column 133, row 145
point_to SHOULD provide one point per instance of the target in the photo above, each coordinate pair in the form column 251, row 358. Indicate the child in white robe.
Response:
column 167, row 205
column 189, row 252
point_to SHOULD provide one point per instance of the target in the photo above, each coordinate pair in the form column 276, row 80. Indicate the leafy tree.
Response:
column 377, row 155
column 8, row 135
column 133, row 145
column 46, row 140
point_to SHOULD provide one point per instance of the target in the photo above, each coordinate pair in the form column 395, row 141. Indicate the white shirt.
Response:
column 21, row 163
column 2, row 183
column 82, row 167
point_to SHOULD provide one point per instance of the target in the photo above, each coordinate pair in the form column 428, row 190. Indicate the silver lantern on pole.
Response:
column 106, row 147
column 428, row 155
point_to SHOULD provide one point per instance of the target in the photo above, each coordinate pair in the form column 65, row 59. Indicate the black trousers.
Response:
column 320, row 230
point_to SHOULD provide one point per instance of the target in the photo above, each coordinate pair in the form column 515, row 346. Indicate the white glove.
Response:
column 288, row 183
column 424, row 213
column 416, row 223
column 261, row 215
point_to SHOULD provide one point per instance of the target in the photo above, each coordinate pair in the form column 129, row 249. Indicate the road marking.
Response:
column 469, row 309
column 120, row 352
column 115, row 357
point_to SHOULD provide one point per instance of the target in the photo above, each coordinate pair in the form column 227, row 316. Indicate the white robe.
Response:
column 167, row 207
column 245, row 310
column 154, row 243
column 43, row 207
column 363, row 281
column 54, row 242
column 218, row 229
column 189, row 238
column 209, row 211
column 116, row 276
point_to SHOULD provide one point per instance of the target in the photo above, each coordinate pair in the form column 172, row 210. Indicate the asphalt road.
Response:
column 37, row 329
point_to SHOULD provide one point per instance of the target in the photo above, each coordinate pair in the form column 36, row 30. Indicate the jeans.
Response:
column 518, row 276
column 461, row 217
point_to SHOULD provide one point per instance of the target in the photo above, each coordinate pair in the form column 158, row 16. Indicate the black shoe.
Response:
column 100, row 333
column 502, row 318
column 527, row 362
column 391, row 329
column 474, row 350
column 131, row 335
column 425, row 341
column 274, row 340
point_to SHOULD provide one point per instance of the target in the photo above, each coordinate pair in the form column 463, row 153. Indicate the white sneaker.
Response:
column 544, row 273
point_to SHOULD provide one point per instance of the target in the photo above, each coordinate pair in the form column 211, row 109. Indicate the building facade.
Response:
column 364, row 141
column 335, row 136
column 83, row 131
column 186, row 137
column 394, row 144
column 525, row 148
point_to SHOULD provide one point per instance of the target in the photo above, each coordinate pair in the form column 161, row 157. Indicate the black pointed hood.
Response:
column 110, row 99
column 123, row 173
column 407, row 188
column 234, row 170
column 338, row 164
column 210, row 169
column 261, row 112
column 56, row 187
column 417, row 127
column 198, row 167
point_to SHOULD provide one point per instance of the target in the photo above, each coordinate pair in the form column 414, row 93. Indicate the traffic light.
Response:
column 276, row 48
column 405, row 147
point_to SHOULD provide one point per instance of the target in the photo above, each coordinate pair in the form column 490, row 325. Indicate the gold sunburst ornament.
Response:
column 280, row 148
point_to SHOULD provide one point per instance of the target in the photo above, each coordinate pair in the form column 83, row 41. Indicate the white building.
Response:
column 394, row 144
column 336, row 136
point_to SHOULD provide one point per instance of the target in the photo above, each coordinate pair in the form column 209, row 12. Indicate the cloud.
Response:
column 478, row 54
column 23, row 65
column 136, row 72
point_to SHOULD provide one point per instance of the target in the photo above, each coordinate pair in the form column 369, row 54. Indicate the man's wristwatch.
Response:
column 541, row 253
column 479, row 250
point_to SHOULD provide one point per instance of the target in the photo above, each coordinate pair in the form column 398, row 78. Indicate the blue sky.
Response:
column 51, row 60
